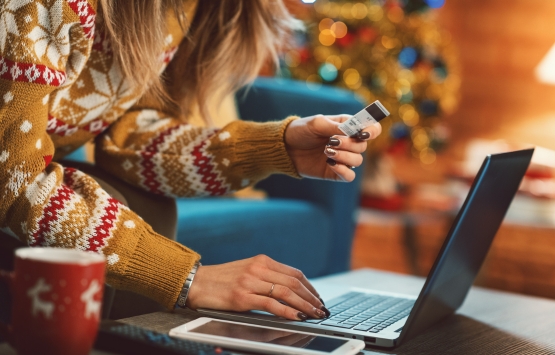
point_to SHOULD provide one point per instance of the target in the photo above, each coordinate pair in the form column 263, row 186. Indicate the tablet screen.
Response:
column 270, row 336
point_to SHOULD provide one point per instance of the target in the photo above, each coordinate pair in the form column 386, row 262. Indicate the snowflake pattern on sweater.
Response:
column 60, row 86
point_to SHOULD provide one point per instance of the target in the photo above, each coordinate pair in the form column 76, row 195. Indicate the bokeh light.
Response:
column 351, row 77
column 339, row 29
column 408, row 57
column 326, row 37
column 359, row 11
column 328, row 72
column 325, row 24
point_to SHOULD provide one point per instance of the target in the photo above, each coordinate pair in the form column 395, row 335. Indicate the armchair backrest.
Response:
column 272, row 99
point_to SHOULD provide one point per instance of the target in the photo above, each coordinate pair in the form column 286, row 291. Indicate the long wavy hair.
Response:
column 227, row 43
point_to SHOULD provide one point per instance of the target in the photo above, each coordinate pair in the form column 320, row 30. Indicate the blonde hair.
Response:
column 227, row 43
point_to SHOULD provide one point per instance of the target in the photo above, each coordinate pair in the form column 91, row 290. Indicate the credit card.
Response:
column 375, row 112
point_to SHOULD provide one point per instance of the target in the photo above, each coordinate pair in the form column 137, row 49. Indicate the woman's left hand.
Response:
column 320, row 150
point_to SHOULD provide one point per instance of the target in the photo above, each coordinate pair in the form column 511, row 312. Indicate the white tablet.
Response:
column 266, row 340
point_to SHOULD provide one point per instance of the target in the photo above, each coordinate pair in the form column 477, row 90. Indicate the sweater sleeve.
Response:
column 166, row 156
column 44, row 204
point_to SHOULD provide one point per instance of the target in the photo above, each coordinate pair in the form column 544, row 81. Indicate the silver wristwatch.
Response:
column 182, row 299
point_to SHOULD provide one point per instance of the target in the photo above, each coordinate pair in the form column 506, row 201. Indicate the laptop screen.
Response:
column 469, row 240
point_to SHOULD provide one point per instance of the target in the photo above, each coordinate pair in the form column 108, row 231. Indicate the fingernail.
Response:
column 331, row 162
column 326, row 311
column 330, row 152
column 334, row 142
column 319, row 313
column 363, row 135
column 302, row 316
column 321, row 300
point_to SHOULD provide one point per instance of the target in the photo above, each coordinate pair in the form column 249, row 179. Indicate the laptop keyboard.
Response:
column 366, row 312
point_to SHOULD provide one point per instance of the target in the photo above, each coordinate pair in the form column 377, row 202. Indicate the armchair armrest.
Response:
column 273, row 99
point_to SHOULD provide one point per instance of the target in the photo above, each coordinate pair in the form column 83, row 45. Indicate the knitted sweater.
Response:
column 60, row 87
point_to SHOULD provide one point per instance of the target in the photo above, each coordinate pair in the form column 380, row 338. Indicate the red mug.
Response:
column 56, row 300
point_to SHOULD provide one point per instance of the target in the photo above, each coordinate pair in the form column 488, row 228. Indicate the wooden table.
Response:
column 489, row 322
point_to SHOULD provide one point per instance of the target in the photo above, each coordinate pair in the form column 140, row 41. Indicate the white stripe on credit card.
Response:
column 371, row 114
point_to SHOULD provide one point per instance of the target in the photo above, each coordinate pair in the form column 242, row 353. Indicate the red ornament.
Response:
column 367, row 34
column 399, row 147
column 346, row 40
column 304, row 54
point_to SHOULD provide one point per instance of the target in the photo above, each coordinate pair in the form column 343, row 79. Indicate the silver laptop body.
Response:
column 385, row 319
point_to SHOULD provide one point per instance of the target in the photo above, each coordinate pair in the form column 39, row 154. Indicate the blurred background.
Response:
column 462, row 79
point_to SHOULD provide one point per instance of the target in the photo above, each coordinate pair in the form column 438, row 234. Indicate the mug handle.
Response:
column 6, row 329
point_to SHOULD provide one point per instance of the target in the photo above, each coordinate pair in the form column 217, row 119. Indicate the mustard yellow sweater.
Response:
column 61, row 87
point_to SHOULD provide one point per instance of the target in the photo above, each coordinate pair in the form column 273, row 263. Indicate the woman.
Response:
column 72, row 71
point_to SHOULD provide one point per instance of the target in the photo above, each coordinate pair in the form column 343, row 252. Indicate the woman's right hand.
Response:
column 245, row 285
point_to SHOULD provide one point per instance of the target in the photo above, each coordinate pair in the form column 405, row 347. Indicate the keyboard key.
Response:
column 362, row 327
column 313, row 321
column 339, row 325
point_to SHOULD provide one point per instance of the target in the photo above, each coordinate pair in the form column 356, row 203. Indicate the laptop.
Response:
column 384, row 319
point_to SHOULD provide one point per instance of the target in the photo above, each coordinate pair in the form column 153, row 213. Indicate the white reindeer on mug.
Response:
column 92, row 307
column 46, row 308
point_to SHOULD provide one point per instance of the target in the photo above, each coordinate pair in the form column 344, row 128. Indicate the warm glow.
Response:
column 339, row 29
column 545, row 71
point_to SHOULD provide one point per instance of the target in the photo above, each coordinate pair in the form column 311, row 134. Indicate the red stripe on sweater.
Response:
column 57, row 201
column 148, row 172
column 68, row 176
column 102, row 232
column 96, row 127
column 86, row 15
column 30, row 73
column 206, row 168
column 50, row 214
column 59, row 127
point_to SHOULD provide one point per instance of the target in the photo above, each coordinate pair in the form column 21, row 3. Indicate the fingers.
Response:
column 292, row 291
column 291, row 271
column 373, row 130
column 351, row 144
column 344, row 157
column 342, row 172
column 344, row 153
column 271, row 305
column 291, row 298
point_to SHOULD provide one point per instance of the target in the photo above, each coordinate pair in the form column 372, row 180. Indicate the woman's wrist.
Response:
column 183, row 295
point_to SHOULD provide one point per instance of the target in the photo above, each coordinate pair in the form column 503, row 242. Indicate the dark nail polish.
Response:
column 363, row 135
column 321, row 300
column 330, row 152
column 331, row 162
column 319, row 313
column 302, row 316
column 334, row 142
column 326, row 311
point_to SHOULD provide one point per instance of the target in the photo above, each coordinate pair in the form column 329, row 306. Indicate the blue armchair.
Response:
column 308, row 224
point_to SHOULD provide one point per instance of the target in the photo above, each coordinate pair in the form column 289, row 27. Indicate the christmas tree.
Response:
column 387, row 50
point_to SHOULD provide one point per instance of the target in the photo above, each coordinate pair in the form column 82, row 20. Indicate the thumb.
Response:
column 329, row 125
